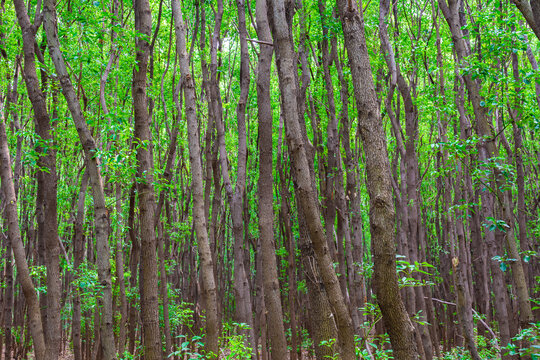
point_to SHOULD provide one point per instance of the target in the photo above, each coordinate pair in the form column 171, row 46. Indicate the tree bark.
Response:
column 378, row 184
column 305, row 192
column 148, row 281
column 90, row 151
column 213, row 326
column 272, row 299
column 14, row 236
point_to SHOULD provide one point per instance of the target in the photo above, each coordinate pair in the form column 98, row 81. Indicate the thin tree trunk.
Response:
column 213, row 326
column 78, row 258
column 272, row 299
column 90, row 149
column 14, row 237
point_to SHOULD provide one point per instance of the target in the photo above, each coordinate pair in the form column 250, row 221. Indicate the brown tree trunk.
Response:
column 14, row 237
column 148, row 274
column 90, row 149
column 47, row 187
column 306, row 194
column 213, row 326
column 487, row 149
column 272, row 299
column 78, row 258
column 373, row 137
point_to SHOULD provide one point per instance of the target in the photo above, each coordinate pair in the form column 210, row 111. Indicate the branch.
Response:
column 477, row 316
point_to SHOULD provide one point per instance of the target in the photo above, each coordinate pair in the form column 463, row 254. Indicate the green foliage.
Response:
column 486, row 349
column 331, row 344
column 235, row 343
column 377, row 344
column 189, row 347
column 530, row 337
column 409, row 272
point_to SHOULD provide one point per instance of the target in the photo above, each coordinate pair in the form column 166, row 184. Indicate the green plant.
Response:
column 407, row 272
column 331, row 344
column 235, row 343
column 529, row 338
column 189, row 348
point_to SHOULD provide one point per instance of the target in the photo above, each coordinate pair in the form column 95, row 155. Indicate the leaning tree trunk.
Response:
column 47, row 185
column 371, row 130
column 14, row 237
column 487, row 149
column 213, row 325
column 90, row 149
column 306, row 194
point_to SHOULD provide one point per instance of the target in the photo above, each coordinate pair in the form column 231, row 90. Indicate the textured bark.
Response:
column 306, row 194
column 47, row 187
column 148, row 281
column 378, row 184
column 412, row 201
column 518, row 267
column 530, row 9
column 90, row 149
column 235, row 197
column 487, row 149
column 213, row 326
column 272, row 299
column 120, row 273
column 14, row 236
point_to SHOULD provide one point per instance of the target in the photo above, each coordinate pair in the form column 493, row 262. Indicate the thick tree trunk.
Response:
column 47, row 187
column 372, row 133
column 148, row 281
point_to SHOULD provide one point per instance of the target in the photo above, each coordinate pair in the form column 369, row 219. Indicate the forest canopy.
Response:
column 269, row 179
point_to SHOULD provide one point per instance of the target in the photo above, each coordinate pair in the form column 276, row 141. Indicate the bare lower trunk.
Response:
column 213, row 326
column 14, row 236
column 78, row 258
column 272, row 299
column 90, row 149
column 372, row 134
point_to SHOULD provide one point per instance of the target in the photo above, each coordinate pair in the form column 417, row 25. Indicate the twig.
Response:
column 260, row 42
column 479, row 319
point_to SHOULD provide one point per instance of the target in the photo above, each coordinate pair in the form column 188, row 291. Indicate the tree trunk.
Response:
column 373, row 137
column 306, row 194
column 14, row 237
column 213, row 326
column 90, row 149
column 272, row 299
column 148, row 281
